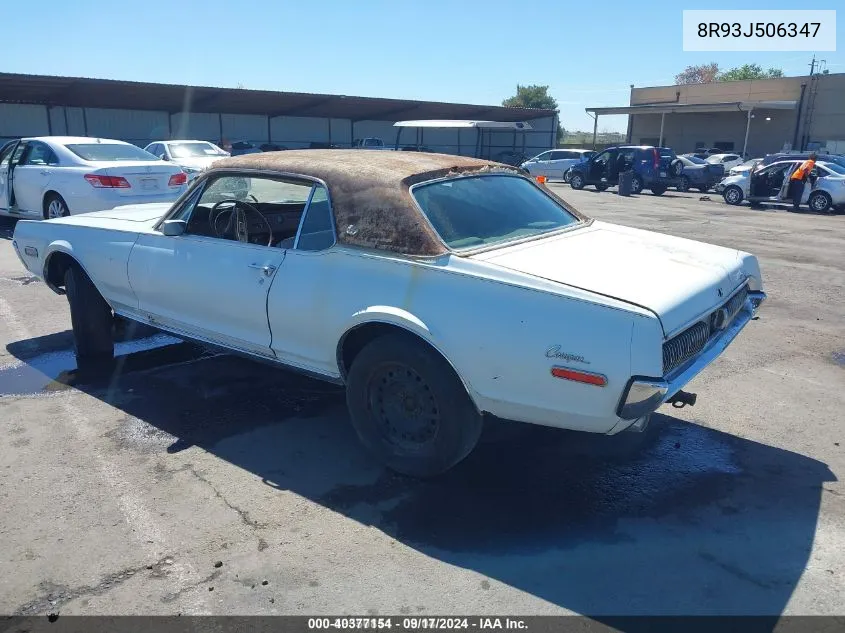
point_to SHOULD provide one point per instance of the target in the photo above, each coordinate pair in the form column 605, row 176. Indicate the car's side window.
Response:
column 16, row 155
column 6, row 155
column 255, row 209
column 317, row 230
column 155, row 149
column 40, row 154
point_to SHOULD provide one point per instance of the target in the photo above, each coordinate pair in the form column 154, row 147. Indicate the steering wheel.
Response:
column 237, row 224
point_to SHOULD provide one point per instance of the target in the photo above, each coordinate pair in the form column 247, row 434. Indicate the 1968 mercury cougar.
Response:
column 436, row 288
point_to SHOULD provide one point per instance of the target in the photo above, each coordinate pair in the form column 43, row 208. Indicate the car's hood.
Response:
column 677, row 279
column 132, row 217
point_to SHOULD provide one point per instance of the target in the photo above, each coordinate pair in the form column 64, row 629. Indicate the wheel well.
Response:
column 57, row 265
column 47, row 194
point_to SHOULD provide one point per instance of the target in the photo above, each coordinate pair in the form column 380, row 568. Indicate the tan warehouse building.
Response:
column 758, row 117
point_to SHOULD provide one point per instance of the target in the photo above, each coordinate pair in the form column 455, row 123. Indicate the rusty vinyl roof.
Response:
column 107, row 93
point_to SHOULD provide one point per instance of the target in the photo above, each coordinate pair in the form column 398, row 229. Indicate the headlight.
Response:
column 642, row 396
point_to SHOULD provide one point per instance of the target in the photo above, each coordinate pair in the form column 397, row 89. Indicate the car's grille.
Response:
column 689, row 343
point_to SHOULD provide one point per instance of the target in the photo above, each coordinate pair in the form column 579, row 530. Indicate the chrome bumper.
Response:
column 643, row 395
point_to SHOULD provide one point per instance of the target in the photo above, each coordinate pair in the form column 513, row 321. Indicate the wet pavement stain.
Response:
column 546, row 486
column 58, row 371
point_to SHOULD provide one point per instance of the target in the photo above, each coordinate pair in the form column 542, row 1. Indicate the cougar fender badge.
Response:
column 555, row 352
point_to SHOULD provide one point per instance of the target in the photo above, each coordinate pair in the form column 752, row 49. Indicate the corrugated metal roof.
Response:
column 133, row 95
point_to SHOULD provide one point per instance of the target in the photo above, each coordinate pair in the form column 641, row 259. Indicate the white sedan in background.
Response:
column 192, row 156
column 54, row 176
column 555, row 163
column 728, row 161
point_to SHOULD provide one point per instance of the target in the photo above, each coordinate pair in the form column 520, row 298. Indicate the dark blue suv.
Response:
column 655, row 168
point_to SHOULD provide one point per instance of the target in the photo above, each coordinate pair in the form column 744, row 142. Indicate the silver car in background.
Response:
column 555, row 163
column 825, row 190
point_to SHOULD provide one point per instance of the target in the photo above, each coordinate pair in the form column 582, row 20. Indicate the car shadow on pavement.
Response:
column 695, row 522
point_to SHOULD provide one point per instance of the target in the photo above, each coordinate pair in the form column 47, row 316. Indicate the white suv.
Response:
column 555, row 163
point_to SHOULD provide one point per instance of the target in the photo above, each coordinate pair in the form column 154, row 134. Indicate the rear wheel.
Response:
column 636, row 184
column 683, row 183
column 90, row 316
column 409, row 408
column 732, row 195
column 704, row 189
column 576, row 181
column 601, row 187
column 55, row 206
column 658, row 190
column 820, row 202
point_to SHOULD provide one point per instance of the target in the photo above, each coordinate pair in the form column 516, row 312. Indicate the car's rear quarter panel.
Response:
column 496, row 335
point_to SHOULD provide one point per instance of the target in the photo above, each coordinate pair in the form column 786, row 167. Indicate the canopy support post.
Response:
column 747, row 129
column 662, row 119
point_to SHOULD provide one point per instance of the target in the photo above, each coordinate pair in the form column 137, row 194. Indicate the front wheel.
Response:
column 409, row 408
column 567, row 175
column 658, row 190
column 90, row 316
column 576, row 181
column 601, row 187
column 820, row 202
column 733, row 195
column 683, row 183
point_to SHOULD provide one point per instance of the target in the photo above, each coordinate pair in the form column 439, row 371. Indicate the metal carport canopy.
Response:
column 692, row 108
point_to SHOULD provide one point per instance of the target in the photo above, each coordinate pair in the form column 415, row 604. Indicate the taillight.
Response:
column 178, row 179
column 107, row 182
column 656, row 158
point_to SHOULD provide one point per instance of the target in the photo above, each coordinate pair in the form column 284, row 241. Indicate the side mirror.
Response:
column 174, row 228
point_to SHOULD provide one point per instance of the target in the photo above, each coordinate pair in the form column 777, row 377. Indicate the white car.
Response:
column 192, row 156
column 437, row 289
column 824, row 191
column 744, row 167
column 728, row 161
column 555, row 163
column 54, row 176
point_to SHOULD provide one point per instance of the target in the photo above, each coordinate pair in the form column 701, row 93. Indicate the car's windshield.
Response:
column 692, row 160
column 715, row 158
column 192, row 150
column 479, row 211
column 109, row 152
column 834, row 167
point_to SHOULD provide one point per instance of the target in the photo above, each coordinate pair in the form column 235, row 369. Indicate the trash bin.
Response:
column 626, row 178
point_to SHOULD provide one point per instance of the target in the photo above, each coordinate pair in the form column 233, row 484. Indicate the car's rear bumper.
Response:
column 643, row 394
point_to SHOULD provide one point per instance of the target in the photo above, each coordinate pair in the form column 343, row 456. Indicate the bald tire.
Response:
column 90, row 317
column 459, row 423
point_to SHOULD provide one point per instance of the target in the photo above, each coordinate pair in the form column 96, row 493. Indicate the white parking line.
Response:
column 182, row 572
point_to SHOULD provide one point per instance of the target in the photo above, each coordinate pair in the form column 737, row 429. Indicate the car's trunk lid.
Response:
column 145, row 178
column 677, row 279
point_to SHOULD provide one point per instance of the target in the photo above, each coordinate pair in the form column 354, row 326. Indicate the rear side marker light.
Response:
column 177, row 179
column 107, row 182
column 586, row 377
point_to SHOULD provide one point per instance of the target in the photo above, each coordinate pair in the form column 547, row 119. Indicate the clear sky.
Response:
column 468, row 51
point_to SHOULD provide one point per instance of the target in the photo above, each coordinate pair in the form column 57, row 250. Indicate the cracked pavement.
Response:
column 123, row 489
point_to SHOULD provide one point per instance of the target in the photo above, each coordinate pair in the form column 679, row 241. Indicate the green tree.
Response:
column 703, row 74
column 535, row 97
column 749, row 71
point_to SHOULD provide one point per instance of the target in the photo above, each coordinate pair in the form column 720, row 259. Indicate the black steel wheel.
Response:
column 409, row 408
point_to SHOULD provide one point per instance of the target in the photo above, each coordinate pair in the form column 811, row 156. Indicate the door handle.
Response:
column 267, row 270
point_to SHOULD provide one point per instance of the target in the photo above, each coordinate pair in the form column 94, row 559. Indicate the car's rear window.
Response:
column 109, row 152
column 479, row 211
column 835, row 167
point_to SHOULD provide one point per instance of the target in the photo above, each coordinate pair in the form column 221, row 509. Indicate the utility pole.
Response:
column 812, row 66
